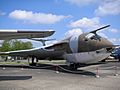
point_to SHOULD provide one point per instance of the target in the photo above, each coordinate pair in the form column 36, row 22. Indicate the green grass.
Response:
column 26, row 63
column 13, row 63
column 52, row 62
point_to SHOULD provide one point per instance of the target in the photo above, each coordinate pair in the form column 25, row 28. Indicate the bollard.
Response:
column 56, row 67
column 116, row 74
column 3, row 68
column 97, row 73
column 22, row 68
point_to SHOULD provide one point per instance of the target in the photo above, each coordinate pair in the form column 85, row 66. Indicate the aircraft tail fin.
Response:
column 94, row 31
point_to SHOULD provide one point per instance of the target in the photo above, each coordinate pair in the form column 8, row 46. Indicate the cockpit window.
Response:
column 89, row 36
column 92, row 36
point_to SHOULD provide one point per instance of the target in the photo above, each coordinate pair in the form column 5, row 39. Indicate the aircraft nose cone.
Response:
column 107, row 43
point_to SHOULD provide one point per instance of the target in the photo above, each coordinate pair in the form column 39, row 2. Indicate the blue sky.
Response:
column 63, row 16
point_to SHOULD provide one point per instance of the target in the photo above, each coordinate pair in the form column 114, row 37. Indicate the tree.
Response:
column 12, row 45
column 5, row 46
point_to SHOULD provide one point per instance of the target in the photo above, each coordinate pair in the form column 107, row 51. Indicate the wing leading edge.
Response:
column 20, row 34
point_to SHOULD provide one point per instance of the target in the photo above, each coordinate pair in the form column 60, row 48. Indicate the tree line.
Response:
column 12, row 45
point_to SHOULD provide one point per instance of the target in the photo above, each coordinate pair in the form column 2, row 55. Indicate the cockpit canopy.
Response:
column 92, row 36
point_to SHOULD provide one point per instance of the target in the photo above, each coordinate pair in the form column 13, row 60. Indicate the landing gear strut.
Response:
column 73, row 66
column 33, row 63
column 103, row 60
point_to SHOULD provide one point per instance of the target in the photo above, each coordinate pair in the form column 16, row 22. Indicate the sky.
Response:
column 65, row 17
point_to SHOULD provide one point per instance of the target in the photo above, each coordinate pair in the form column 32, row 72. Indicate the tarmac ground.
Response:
column 101, row 76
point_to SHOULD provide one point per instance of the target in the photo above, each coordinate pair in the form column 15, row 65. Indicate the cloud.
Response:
column 81, row 2
column 113, row 30
column 115, row 40
column 105, row 7
column 51, row 42
column 86, row 23
column 103, row 35
column 89, row 24
column 76, row 31
column 2, row 13
column 108, row 7
column 1, row 42
column 36, row 18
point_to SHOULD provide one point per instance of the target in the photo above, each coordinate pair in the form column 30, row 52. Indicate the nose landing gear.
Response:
column 33, row 62
column 73, row 66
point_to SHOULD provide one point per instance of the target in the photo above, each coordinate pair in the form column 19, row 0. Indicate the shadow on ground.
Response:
column 5, row 78
column 60, row 68
column 63, row 69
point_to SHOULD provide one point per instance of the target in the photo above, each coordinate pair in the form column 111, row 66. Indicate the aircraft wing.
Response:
column 24, row 34
column 41, row 52
column 29, row 52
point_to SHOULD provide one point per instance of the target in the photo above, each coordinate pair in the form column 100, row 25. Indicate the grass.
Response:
column 52, row 62
column 13, row 63
column 26, row 63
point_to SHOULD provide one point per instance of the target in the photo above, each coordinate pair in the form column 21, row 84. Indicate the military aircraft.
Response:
column 85, row 48
column 24, row 34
